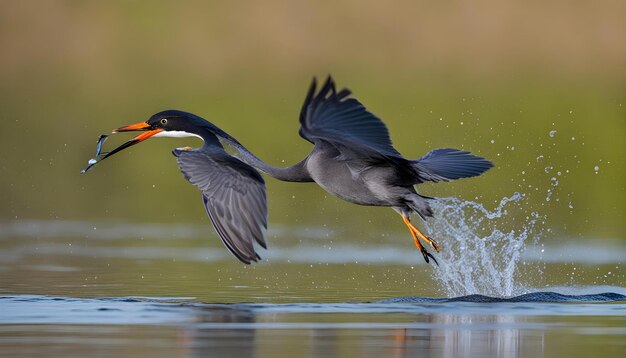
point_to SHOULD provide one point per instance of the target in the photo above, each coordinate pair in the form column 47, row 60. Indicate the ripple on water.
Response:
column 33, row 309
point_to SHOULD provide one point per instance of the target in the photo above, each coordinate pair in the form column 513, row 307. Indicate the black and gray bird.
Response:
column 352, row 158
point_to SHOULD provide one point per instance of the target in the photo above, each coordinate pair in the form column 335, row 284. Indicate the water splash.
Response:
column 482, row 248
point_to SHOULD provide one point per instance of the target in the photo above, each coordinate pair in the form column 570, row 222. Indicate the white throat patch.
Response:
column 176, row 134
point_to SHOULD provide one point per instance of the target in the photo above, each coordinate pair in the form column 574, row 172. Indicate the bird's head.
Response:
column 170, row 123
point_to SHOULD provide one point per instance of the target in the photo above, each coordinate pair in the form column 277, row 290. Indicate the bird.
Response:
column 352, row 158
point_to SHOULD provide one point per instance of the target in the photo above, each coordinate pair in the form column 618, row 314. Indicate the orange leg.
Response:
column 430, row 241
column 415, row 239
column 416, row 233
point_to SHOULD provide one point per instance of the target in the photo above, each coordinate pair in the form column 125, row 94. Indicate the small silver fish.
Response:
column 93, row 161
column 101, row 141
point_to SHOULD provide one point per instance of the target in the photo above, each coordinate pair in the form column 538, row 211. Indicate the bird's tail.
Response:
column 446, row 164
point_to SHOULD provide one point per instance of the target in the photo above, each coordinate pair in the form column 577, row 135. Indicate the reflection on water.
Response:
column 440, row 335
column 222, row 341
column 489, row 335
column 182, row 327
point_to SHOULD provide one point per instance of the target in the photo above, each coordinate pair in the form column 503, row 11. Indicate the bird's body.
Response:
column 340, row 178
column 352, row 158
column 355, row 182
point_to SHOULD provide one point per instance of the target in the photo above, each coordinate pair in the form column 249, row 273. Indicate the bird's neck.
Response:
column 294, row 173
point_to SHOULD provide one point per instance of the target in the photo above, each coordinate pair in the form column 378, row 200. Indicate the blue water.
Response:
column 35, row 309
column 474, row 326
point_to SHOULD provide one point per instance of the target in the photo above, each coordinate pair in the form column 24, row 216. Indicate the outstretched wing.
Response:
column 333, row 117
column 234, row 198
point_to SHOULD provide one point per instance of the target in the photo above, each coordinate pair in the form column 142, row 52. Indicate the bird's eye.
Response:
column 164, row 121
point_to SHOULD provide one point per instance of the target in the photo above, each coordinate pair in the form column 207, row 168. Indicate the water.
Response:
column 168, row 326
column 505, row 287
column 482, row 253
column 94, row 288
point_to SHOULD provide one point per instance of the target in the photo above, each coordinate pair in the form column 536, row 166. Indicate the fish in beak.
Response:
column 148, row 131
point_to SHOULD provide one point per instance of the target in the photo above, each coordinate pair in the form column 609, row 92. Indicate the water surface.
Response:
column 181, row 326
column 90, row 288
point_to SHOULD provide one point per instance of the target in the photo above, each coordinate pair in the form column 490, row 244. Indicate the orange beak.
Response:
column 141, row 126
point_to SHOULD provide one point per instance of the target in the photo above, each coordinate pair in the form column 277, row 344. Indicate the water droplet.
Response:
column 552, row 133
column 489, row 262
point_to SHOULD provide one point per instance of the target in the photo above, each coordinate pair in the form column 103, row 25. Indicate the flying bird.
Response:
column 352, row 158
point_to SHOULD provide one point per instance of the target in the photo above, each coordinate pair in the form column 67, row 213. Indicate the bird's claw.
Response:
column 427, row 254
column 433, row 244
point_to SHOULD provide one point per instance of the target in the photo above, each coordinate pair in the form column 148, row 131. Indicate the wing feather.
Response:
column 233, row 194
column 331, row 116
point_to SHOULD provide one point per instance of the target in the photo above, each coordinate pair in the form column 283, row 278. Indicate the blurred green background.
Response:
column 495, row 78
